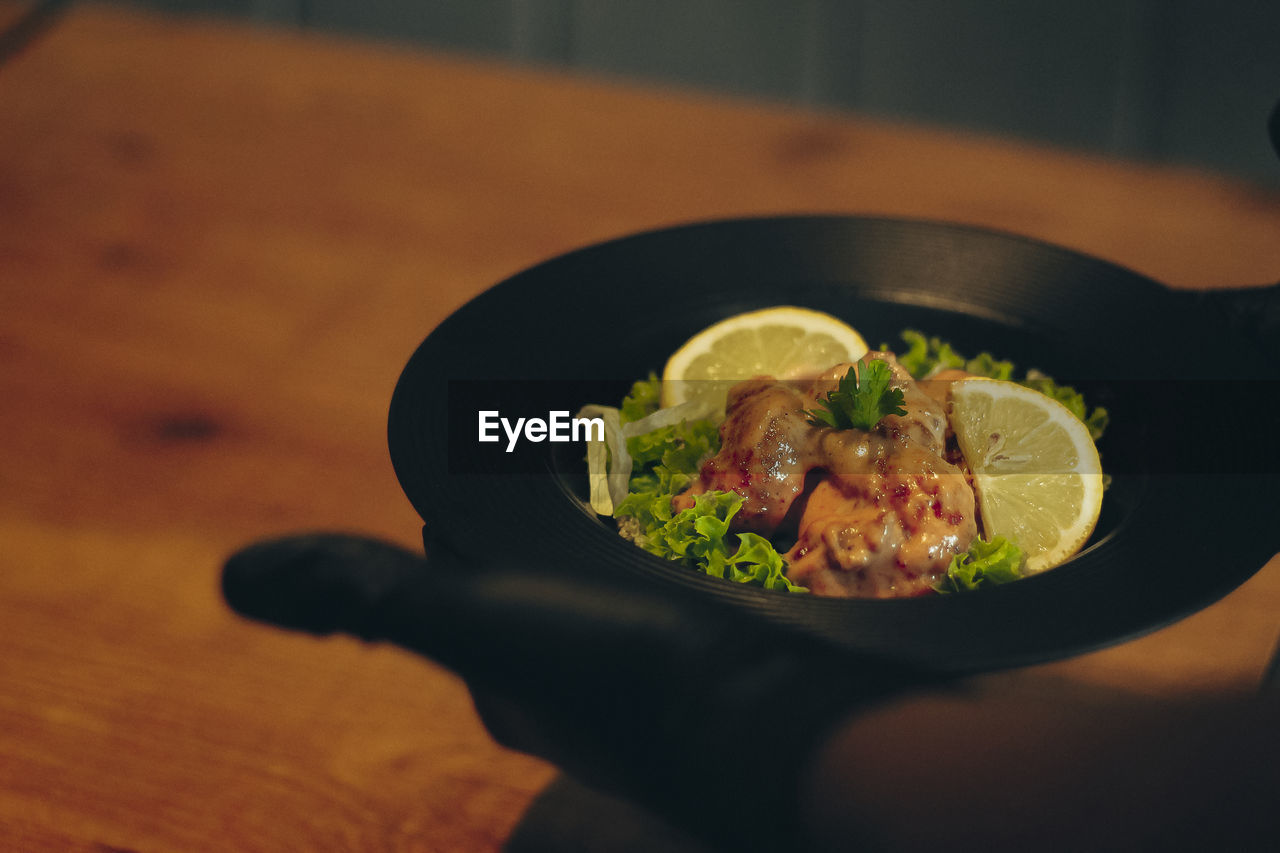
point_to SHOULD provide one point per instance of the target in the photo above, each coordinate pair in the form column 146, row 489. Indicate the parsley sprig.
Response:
column 860, row 401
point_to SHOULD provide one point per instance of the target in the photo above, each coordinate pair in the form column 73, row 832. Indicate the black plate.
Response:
column 1190, row 514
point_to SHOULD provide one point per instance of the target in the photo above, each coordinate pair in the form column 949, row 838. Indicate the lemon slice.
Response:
column 783, row 342
column 1035, row 468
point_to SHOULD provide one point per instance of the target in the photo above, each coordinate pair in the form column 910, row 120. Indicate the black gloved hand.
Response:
column 696, row 711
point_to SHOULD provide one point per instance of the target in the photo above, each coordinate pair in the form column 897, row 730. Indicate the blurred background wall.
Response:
column 1173, row 81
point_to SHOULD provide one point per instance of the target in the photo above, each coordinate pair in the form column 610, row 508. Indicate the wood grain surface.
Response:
column 217, row 248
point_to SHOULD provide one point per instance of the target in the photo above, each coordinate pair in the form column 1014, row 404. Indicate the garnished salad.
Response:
column 777, row 450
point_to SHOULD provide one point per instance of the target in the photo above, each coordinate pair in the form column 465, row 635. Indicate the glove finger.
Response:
column 319, row 582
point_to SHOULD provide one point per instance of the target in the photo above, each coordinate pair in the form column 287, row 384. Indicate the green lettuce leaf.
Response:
column 642, row 400
column 984, row 564
column 697, row 536
column 680, row 446
column 985, row 364
column 924, row 356
column 666, row 459
column 1096, row 420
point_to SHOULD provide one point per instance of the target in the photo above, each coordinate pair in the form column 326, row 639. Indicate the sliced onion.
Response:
column 691, row 411
column 608, row 488
column 598, row 477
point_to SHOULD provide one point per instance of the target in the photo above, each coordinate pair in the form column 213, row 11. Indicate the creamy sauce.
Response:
column 876, row 514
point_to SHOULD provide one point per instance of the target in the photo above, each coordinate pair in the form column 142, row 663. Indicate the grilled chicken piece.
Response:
column 884, row 522
column 763, row 456
column 876, row 513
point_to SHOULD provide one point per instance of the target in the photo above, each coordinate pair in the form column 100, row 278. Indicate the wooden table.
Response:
column 218, row 247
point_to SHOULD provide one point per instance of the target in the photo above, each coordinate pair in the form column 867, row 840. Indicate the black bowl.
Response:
column 1189, row 516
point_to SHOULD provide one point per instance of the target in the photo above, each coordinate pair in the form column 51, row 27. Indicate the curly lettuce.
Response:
column 1096, row 419
column 642, row 400
column 984, row 564
column 697, row 537
column 925, row 356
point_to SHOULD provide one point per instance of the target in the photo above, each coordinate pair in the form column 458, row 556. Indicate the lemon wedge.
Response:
column 784, row 342
column 1035, row 468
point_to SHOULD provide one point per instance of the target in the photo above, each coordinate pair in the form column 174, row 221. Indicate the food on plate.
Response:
column 877, row 476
